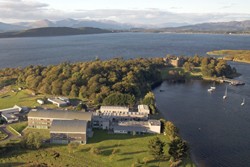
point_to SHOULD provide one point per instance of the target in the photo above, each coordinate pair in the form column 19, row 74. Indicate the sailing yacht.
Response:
column 243, row 102
column 225, row 95
column 213, row 87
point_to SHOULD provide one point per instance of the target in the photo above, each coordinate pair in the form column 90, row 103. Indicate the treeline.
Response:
column 98, row 81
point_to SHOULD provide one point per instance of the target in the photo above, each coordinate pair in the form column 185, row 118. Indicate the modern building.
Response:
column 138, row 127
column 11, row 114
column 66, row 131
column 114, row 109
column 59, row 102
column 42, row 119
column 143, row 109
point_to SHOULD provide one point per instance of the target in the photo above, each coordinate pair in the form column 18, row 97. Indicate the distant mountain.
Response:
column 9, row 27
column 219, row 27
column 103, row 24
column 53, row 31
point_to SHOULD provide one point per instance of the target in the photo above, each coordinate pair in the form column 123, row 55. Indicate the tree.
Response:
column 32, row 140
column 171, row 130
column 178, row 149
column 156, row 146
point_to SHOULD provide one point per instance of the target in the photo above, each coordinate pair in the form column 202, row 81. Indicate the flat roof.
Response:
column 61, row 114
column 115, row 107
column 56, row 100
column 131, row 128
column 11, row 110
column 69, row 126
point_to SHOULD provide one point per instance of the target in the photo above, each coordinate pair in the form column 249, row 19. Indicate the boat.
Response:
column 225, row 95
column 213, row 87
column 243, row 102
column 210, row 90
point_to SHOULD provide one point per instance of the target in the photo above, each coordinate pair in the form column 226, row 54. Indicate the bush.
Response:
column 95, row 151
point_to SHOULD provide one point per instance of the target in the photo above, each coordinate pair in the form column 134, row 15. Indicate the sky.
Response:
column 154, row 12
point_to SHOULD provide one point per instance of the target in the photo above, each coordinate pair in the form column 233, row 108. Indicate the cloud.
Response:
column 30, row 10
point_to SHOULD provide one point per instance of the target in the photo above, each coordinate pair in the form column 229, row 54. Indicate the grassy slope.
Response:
column 19, row 126
column 235, row 55
column 131, row 150
column 22, row 98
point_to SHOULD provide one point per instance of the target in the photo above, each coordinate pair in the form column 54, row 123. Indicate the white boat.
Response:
column 210, row 90
column 225, row 95
column 213, row 87
column 243, row 102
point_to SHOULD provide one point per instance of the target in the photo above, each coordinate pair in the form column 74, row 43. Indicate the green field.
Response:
column 2, row 135
column 19, row 126
column 130, row 151
column 234, row 55
column 21, row 98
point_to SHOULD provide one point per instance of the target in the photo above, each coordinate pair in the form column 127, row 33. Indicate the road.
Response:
column 6, row 131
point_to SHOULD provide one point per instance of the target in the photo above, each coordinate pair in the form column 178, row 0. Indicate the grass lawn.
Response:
column 19, row 126
column 130, row 151
column 2, row 135
column 22, row 98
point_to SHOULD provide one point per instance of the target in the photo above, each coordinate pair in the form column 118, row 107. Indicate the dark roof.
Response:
column 131, row 128
column 68, row 126
column 61, row 115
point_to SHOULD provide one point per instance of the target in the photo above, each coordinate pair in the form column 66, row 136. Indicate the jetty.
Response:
column 232, row 81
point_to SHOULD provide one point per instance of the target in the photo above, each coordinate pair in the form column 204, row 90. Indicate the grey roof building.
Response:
column 66, row 131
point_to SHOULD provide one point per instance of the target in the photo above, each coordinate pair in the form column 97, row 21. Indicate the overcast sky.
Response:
column 126, row 11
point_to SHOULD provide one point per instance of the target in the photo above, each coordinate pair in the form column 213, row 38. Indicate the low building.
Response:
column 40, row 101
column 143, row 109
column 42, row 119
column 138, row 127
column 66, row 131
column 58, row 102
column 11, row 114
column 106, row 119
column 114, row 109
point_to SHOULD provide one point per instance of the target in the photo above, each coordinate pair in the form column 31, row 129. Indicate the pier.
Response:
column 232, row 81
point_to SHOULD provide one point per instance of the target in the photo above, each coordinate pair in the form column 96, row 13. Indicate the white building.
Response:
column 143, row 109
column 138, row 127
column 114, row 109
column 40, row 101
column 58, row 102
column 11, row 114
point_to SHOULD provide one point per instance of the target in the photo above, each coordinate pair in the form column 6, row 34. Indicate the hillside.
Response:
column 218, row 27
column 53, row 31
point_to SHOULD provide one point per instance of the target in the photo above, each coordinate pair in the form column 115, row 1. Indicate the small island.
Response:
column 232, row 55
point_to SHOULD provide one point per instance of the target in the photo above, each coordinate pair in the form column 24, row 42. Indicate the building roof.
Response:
column 144, row 107
column 131, row 128
column 69, row 126
column 56, row 100
column 114, row 108
column 154, row 122
column 61, row 115
column 14, row 109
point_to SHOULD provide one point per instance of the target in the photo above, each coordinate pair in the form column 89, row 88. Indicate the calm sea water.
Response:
column 216, row 129
column 53, row 50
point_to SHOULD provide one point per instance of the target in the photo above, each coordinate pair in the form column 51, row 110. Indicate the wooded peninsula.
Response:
column 233, row 55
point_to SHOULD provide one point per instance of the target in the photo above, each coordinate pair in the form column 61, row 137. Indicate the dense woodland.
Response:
column 95, row 80
column 112, row 82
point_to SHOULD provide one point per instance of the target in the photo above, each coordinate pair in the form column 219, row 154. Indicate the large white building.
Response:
column 114, row 109
column 138, row 127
